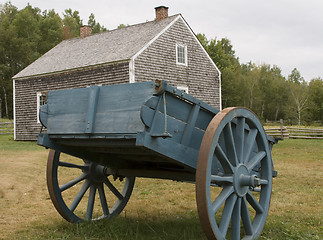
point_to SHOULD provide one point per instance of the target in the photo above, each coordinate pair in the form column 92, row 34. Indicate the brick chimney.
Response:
column 161, row 13
column 85, row 31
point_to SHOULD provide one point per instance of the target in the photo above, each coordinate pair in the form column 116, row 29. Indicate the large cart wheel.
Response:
column 235, row 156
column 81, row 190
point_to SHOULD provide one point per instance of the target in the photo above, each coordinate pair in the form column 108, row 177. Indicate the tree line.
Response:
column 263, row 88
column 28, row 33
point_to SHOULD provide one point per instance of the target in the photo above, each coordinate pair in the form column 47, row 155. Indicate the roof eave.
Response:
column 69, row 70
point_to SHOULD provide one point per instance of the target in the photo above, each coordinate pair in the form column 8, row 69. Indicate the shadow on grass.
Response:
column 118, row 228
column 159, row 228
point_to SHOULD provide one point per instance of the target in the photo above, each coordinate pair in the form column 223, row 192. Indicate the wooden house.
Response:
column 163, row 49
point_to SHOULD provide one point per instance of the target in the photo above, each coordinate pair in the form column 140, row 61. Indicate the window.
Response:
column 181, row 55
column 183, row 88
column 41, row 100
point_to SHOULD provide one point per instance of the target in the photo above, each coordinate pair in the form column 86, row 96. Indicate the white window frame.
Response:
column 184, row 47
column 183, row 88
column 39, row 94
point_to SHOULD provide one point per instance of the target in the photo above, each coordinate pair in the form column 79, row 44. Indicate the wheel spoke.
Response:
column 249, row 144
column 254, row 203
column 103, row 200
column 90, row 203
column 226, row 164
column 221, row 179
column 72, row 165
column 227, row 214
column 239, row 138
column 233, row 147
column 80, row 195
column 223, row 196
column 73, row 182
column 113, row 189
column 75, row 198
column 236, row 220
column 255, row 160
column 230, row 144
column 246, row 217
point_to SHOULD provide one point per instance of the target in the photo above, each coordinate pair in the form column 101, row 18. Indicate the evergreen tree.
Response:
column 96, row 27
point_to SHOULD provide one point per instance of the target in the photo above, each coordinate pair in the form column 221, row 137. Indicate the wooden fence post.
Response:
column 281, row 128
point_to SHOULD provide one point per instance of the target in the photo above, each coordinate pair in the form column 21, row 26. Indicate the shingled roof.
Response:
column 111, row 46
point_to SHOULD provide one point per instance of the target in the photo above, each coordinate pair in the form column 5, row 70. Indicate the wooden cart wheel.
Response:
column 80, row 190
column 235, row 156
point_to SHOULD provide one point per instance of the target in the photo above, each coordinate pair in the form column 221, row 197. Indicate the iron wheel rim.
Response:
column 238, row 175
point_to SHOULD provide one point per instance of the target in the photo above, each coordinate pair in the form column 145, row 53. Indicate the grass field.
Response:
column 158, row 209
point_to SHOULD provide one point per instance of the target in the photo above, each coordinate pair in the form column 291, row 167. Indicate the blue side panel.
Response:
column 67, row 110
column 97, row 110
column 165, row 147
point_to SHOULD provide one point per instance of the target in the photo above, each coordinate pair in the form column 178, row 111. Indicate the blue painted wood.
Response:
column 98, row 110
column 175, row 152
column 91, row 110
column 186, row 138
column 91, row 119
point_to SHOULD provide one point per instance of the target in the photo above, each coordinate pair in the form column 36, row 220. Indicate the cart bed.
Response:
column 141, row 126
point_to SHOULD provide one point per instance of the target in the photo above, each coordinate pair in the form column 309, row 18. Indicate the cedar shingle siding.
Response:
column 142, row 52
column 159, row 62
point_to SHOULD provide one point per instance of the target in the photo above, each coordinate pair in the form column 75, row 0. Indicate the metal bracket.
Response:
column 165, row 134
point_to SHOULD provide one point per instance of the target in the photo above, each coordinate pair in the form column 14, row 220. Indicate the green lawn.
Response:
column 158, row 209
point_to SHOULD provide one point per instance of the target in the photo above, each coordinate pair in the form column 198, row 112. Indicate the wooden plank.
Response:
column 117, row 111
column 314, row 129
column 306, row 134
column 175, row 126
column 91, row 110
column 173, row 151
column 186, row 137
column 309, row 131
column 273, row 129
column 6, row 123
column 304, row 137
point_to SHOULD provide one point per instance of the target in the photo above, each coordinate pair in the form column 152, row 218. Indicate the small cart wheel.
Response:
column 235, row 156
column 81, row 190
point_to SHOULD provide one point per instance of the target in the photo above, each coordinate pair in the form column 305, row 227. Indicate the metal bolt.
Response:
column 257, row 181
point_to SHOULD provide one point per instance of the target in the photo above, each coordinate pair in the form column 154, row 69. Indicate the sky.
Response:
column 285, row 33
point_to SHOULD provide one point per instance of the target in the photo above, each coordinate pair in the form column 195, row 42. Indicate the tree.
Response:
column 24, row 36
column 72, row 23
column 250, row 90
column 122, row 26
column 26, row 24
column 299, row 95
column 223, row 55
column 96, row 27
column 295, row 77
column 51, row 30
column 12, row 56
column 27, row 34
column 278, row 98
column 316, row 99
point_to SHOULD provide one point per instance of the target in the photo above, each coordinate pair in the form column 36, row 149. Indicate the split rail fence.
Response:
column 295, row 132
column 6, row 128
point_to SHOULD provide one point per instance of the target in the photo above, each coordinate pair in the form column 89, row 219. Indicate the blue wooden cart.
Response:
column 102, row 137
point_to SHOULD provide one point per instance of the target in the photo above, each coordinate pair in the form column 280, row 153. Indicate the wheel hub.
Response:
column 96, row 172
column 242, row 180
